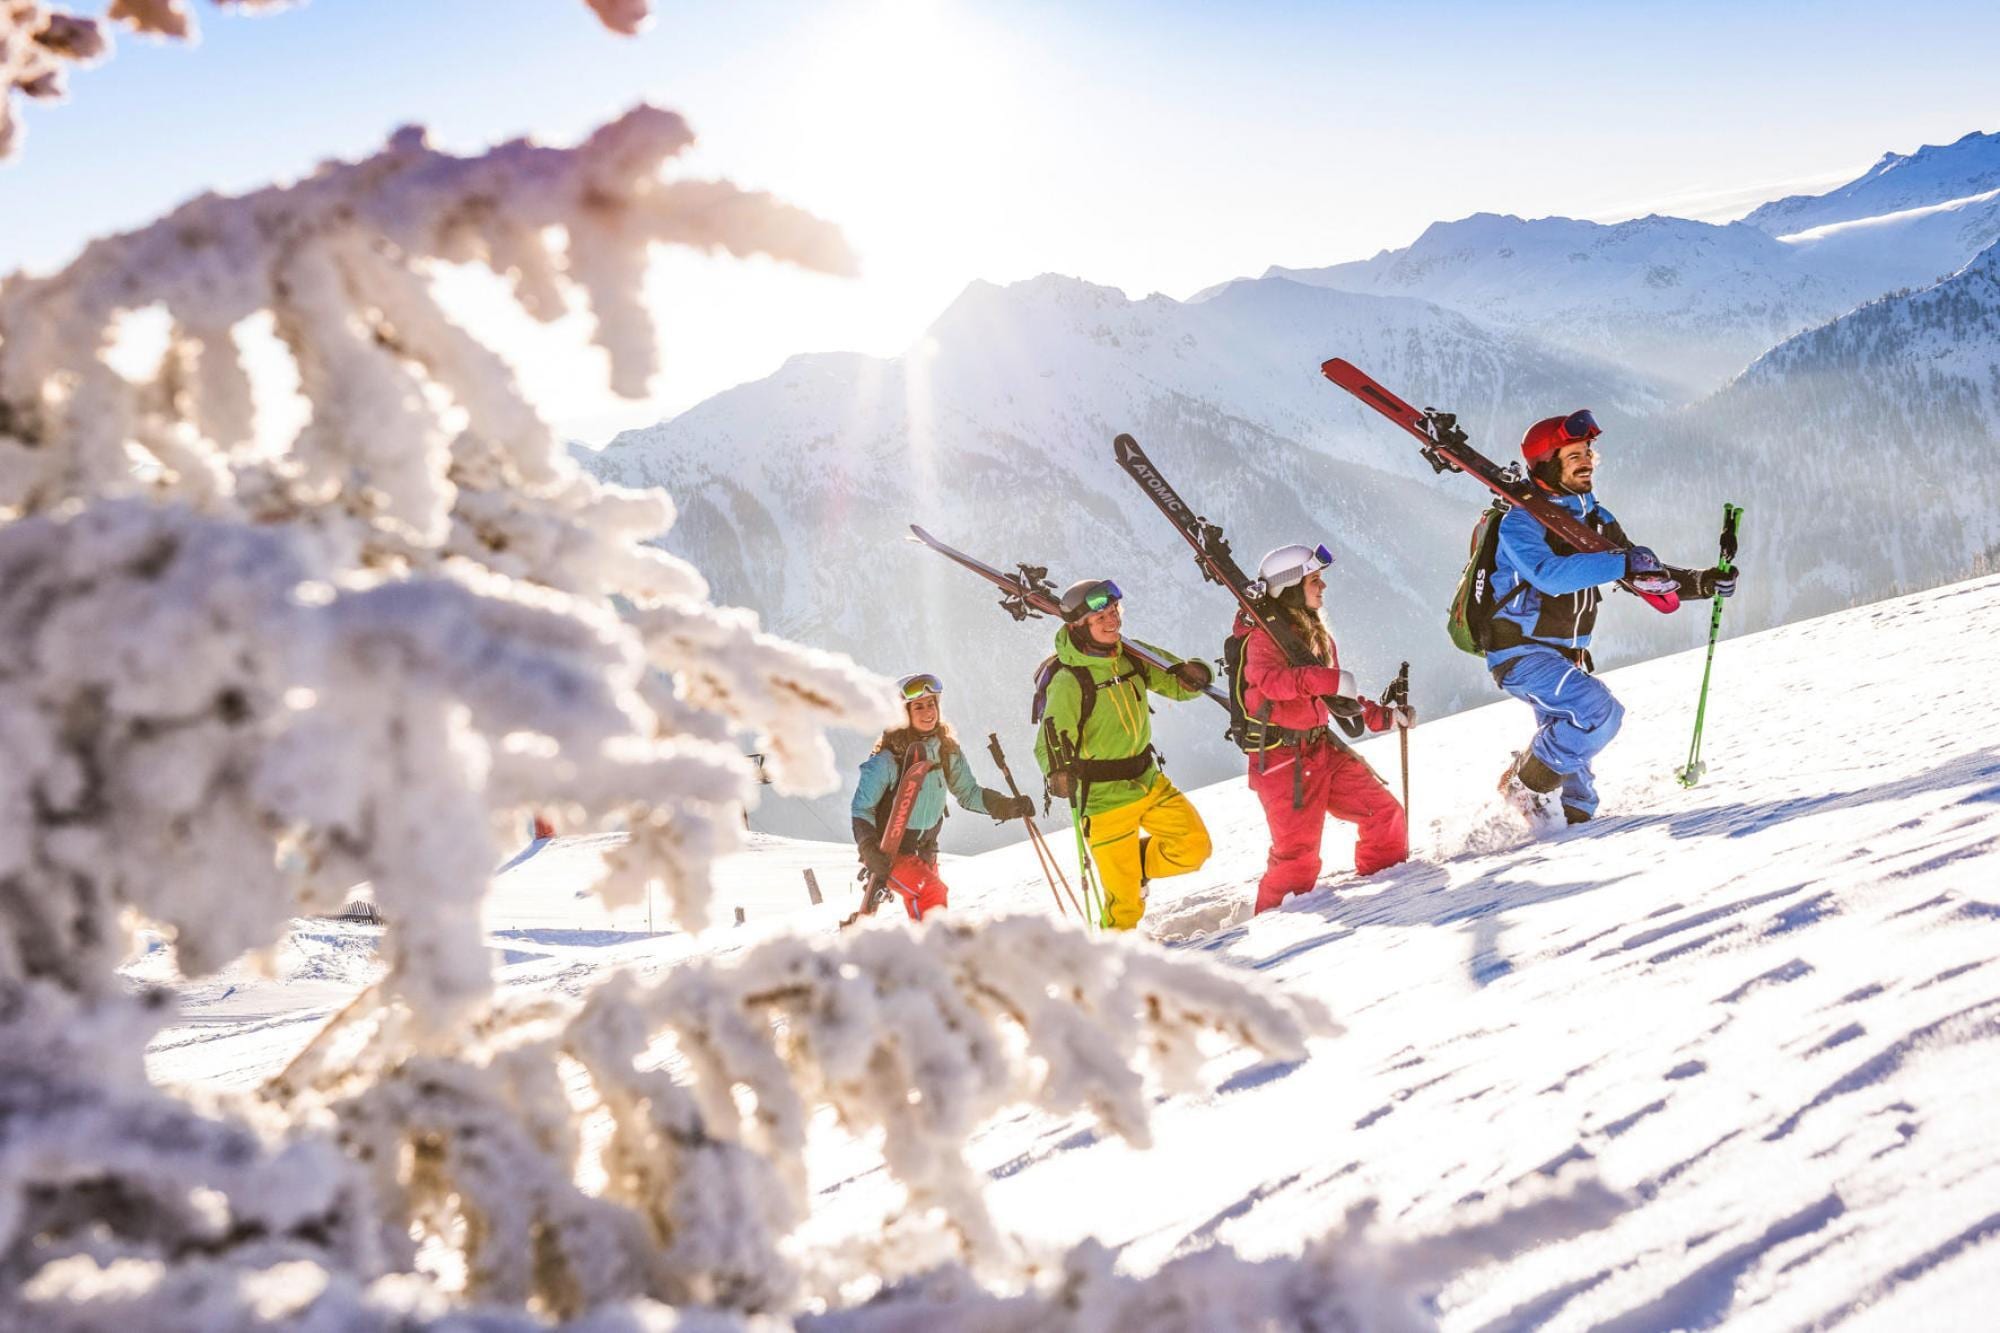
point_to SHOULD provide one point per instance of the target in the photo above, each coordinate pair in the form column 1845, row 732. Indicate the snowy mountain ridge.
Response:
column 1934, row 173
column 1691, row 301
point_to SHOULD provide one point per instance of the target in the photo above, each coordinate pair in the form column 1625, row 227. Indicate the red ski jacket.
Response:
column 1293, row 693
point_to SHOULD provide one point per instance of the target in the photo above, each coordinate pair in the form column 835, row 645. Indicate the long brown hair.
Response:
column 1291, row 609
column 897, row 739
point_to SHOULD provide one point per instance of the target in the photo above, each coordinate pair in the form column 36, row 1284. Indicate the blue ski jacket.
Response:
column 1545, row 591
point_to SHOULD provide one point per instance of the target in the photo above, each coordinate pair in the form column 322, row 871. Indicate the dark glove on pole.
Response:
column 1398, row 696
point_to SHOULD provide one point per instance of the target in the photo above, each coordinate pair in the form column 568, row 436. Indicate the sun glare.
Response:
column 926, row 104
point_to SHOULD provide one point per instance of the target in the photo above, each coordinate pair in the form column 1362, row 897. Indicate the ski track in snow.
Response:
column 1763, row 1009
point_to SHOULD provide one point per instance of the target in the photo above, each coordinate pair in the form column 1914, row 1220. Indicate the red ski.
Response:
column 909, row 781
column 1446, row 448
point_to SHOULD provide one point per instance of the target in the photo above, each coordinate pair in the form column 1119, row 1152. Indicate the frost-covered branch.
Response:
column 237, row 679
column 35, row 37
column 36, row 42
column 916, row 1036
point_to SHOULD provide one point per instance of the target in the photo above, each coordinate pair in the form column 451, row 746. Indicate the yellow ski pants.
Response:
column 1175, row 841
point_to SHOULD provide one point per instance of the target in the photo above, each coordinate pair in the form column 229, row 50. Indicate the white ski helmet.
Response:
column 1287, row 565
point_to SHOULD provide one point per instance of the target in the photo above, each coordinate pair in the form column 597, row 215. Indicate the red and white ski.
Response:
column 1446, row 448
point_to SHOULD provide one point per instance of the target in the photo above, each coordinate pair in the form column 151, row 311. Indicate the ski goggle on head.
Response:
column 1580, row 426
column 920, row 686
column 1094, row 599
column 1298, row 564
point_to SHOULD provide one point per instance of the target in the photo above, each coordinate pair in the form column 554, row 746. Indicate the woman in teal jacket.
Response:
column 911, row 867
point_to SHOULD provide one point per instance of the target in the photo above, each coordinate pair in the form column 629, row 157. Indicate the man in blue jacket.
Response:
column 1538, row 644
column 911, row 867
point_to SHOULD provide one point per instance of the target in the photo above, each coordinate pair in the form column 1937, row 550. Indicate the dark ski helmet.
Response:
column 1087, row 597
column 1552, row 433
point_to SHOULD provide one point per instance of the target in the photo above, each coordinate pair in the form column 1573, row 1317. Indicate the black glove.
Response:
column 868, row 842
column 1343, row 705
column 1004, row 808
column 1716, row 582
column 1060, row 784
column 1192, row 674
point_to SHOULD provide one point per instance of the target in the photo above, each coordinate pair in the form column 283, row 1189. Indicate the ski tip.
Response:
column 1334, row 367
column 917, row 534
column 1122, row 441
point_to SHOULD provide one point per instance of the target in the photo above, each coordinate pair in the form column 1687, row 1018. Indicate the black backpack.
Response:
column 1250, row 734
column 1085, row 682
column 1470, row 618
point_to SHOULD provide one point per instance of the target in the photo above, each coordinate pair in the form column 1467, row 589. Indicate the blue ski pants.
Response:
column 1575, row 713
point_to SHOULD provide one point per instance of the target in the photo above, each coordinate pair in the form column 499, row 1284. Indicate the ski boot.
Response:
column 1533, row 789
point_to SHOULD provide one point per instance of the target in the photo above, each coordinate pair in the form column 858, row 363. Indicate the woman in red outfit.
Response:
column 1303, row 775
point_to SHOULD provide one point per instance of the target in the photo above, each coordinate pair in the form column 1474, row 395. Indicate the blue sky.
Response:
column 1148, row 146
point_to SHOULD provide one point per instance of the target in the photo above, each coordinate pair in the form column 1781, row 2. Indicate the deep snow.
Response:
column 1763, row 1009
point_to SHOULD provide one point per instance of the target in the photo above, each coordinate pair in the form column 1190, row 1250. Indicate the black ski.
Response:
column 1029, row 593
column 1211, row 552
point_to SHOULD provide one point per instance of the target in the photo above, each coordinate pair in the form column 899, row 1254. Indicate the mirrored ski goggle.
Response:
column 1103, row 595
column 1318, row 560
column 1580, row 426
column 918, row 686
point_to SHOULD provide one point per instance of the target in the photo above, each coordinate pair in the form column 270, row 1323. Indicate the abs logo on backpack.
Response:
column 1470, row 621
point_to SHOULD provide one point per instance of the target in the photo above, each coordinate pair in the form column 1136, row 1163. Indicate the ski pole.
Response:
column 1399, row 693
column 871, row 898
column 1731, row 516
column 1062, row 759
column 1050, row 870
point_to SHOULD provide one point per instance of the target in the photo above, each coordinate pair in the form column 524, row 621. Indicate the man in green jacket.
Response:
column 1093, row 694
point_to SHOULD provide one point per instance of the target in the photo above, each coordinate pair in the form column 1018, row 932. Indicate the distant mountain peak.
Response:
column 1933, row 174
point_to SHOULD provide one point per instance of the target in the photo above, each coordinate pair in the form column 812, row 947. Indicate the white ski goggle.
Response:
column 919, row 686
column 1318, row 560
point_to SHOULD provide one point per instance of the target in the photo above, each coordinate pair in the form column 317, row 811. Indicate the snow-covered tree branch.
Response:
column 237, row 677
column 38, row 40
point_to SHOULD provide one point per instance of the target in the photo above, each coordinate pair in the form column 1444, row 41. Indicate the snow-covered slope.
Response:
column 995, row 433
column 1916, row 247
column 1764, row 1011
column 1931, row 175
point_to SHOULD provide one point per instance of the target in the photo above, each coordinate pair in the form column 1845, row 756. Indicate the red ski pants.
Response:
column 1300, row 787
column 916, row 882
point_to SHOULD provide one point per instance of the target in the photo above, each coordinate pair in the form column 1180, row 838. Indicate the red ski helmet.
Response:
column 1552, row 433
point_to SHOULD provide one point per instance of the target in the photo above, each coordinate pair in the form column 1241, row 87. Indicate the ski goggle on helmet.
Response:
column 919, row 686
column 1089, row 597
column 1552, row 433
column 1291, row 564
